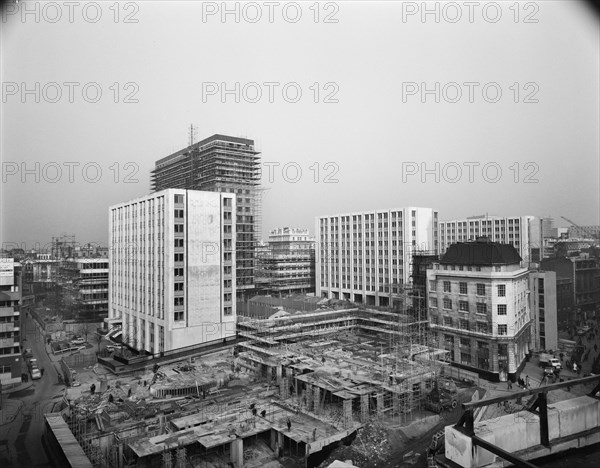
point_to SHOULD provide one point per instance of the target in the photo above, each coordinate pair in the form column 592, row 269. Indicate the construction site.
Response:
column 285, row 394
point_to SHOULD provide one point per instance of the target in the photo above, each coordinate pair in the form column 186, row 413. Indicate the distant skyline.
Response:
column 373, row 141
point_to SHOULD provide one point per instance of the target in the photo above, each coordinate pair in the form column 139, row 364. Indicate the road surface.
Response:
column 21, row 440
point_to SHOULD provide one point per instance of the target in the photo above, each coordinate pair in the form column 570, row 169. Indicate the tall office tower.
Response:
column 524, row 233
column 172, row 269
column 10, row 311
column 366, row 257
column 227, row 164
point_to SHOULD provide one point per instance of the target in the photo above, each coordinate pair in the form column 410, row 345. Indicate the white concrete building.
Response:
column 479, row 308
column 524, row 233
column 365, row 257
column 172, row 269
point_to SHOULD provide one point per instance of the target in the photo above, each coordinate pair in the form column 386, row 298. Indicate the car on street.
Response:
column 36, row 374
column 28, row 353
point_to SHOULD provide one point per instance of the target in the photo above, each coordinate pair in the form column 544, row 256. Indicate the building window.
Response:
column 178, row 316
column 463, row 306
column 501, row 290
column 179, row 257
column 462, row 288
column 501, row 309
column 464, row 324
column 465, row 359
column 179, row 228
column 447, row 286
column 433, row 302
column 179, row 214
column 480, row 289
column 227, row 297
column 178, row 286
column 432, row 285
column 178, row 271
column 447, row 304
column 481, row 308
column 178, row 242
column 178, row 301
column 178, row 198
column 448, row 321
column 227, row 311
column 502, row 329
column 482, row 327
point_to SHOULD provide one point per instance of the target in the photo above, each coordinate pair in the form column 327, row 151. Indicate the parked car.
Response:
column 27, row 353
column 36, row 374
column 78, row 341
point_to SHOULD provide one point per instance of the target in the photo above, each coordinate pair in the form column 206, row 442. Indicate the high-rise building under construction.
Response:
column 222, row 163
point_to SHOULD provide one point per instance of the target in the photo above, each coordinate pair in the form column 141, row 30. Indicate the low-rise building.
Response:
column 479, row 308
column 85, row 288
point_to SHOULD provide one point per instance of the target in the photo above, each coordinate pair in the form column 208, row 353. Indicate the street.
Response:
column 22, row 444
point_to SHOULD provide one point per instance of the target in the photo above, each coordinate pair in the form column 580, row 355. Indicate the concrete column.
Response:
column 278, row 372
column 347, row 413
column 316, row 399
column 309, row 396
column 395, row 403
column 273, row 438
column 380, row 405
column 512, row 366
column 237, row 453
column 493, row 357
column 364, row 408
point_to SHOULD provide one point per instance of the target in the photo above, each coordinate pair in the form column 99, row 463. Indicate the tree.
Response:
column 98, row 338
column 85, row 330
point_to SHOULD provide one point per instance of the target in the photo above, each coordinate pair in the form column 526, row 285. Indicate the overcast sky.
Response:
column 362, row 146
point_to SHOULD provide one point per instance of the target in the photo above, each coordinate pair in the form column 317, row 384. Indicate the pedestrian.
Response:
column 129, row 393
column 289, row 424
column 92, row 388
column 509, row 383
column 315, row 433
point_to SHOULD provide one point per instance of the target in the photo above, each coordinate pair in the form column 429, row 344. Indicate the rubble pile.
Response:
column 370, row 448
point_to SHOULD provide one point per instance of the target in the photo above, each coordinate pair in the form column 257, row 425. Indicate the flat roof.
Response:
column 67, row 441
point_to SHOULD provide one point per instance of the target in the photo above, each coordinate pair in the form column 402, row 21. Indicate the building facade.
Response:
column 287, row 264
column 544, row 312
column 172, row 269
column 524, row 233
column 584, row 232
column 366, row 257
column 224, row 164
column 580, row 276
column 85, row 288
column 479, row 308
column 10, row 320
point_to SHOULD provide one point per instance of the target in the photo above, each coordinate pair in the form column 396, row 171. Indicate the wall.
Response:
column 521, row 431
